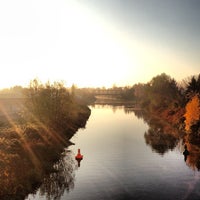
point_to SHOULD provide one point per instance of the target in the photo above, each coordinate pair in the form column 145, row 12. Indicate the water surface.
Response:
column 119, row 164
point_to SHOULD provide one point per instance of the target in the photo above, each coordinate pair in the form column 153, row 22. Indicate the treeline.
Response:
column 177, row 103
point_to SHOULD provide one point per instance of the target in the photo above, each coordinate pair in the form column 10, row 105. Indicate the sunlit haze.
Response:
column 98, row 43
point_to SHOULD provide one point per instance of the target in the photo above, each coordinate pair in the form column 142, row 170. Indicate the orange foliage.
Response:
column 192, row 115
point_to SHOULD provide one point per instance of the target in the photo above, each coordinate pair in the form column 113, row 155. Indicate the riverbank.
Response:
column 28, row 151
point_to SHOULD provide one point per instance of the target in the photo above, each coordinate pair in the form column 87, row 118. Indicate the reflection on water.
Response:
column 192, row 158
column 186, row 153
column 160, row 141
column 162, row 137
column 62, row 180
column 127, row 108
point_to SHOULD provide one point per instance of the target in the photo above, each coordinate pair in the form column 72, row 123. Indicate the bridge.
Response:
column 112, row 92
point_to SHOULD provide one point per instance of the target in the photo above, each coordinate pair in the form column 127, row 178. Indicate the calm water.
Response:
column 118, row 164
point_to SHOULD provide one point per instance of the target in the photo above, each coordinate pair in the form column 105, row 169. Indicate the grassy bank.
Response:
column 32, row 140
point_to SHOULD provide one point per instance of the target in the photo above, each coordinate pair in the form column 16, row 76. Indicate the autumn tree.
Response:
column 192, row 115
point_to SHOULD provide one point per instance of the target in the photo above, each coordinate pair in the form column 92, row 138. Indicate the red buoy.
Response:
column 79, row 156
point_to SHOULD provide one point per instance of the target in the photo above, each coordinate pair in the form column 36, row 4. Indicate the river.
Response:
column 119, row 164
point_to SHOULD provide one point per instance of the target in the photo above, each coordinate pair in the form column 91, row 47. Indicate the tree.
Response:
column 161, row 92
column 51, row 104
column 128, row 93
column 192, row 87
column 192, row 115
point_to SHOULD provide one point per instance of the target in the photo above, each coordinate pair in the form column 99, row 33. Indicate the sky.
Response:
column 96, row 43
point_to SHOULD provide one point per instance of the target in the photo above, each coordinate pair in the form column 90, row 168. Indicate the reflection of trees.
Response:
column 18, row 177
column 193, row 159
column 161, row 136
column 127, row 107
column 139, row 113
column 159, row 141
column 61, row 180
column 25, row 161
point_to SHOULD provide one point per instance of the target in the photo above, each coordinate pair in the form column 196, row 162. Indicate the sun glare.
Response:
column 82, row 50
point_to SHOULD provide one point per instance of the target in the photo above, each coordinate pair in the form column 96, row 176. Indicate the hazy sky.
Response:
column 98, row 42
